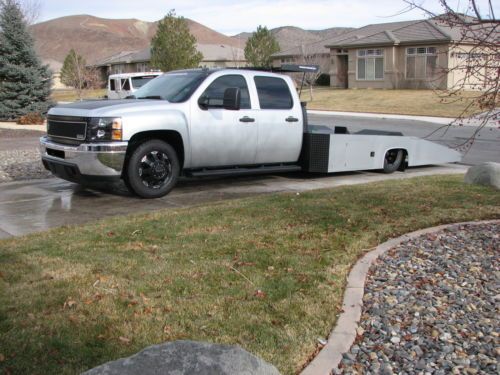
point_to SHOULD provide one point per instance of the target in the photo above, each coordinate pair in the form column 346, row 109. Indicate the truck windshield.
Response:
column 176, row 87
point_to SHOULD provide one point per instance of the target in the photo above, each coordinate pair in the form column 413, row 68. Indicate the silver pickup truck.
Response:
column 209, row 122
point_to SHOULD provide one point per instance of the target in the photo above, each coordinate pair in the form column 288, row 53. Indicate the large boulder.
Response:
column 187, row 357
column 484, row 174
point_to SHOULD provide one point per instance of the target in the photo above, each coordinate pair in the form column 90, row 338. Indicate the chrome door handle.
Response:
column 292, row 119
column 247, row 119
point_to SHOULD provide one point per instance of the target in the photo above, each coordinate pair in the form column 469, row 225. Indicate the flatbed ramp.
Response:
column 327, row 150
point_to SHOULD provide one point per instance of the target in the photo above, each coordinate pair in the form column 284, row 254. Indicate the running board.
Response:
column 243, row 171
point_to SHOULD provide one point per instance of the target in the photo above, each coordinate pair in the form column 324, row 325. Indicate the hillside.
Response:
column 96, row 38
column 291, row 36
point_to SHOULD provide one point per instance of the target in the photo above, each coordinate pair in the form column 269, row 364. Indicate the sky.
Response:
column 231, row 17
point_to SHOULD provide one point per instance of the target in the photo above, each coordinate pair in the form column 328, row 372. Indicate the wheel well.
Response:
column 172, row 137
column 404, row 164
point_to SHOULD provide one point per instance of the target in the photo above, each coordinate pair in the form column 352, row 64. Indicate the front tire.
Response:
column 393, row 160
column 152, row 169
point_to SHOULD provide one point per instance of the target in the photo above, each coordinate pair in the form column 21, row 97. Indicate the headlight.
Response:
column 105, row 129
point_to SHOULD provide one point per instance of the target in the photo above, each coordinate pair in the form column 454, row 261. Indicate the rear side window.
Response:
column 273, row 93
column 215, row 92
column 112, row 84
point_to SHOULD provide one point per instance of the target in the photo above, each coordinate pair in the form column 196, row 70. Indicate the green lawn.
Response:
column 70, row 95
column 266, row 272
column 407, row 102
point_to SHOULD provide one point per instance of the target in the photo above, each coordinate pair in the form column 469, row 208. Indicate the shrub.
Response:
column 33, row 118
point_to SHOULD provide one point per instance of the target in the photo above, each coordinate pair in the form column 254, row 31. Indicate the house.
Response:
column 409, row 54
column 214, row 55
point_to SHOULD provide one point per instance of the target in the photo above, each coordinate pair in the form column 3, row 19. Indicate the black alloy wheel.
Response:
column 152, row 169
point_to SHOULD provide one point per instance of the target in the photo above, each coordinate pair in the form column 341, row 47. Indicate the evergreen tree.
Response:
column 260, row 46
column 25, row 84
column 174, row 47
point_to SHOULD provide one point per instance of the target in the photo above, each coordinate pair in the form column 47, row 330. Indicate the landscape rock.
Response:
column 484, row 174
column 186, row 358
column 445, row 320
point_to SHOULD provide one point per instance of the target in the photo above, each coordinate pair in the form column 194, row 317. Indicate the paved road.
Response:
column 486, row 146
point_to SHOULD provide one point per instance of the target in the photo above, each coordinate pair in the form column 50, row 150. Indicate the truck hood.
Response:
column 102, row 108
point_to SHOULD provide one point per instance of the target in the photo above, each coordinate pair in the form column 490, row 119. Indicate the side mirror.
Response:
column 203, row 102
column 232, row 99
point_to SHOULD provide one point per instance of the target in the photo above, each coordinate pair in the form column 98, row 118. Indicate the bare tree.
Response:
column 77, row 74
column 310, row 57
column 31, row 10
column 236, row 55
column 475, row 58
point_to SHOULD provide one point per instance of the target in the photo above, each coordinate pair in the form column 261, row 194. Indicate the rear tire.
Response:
column 393, row 160
column 152, row 169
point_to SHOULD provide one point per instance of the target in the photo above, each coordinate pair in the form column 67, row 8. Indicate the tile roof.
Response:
column 417, row 31
column 321, row 46
column 211, row 52
column 409, row 32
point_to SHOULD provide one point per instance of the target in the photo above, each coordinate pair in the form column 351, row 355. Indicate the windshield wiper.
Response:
column 151, row 97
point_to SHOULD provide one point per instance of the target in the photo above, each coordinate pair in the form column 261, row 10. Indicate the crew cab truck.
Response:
column 214, row 121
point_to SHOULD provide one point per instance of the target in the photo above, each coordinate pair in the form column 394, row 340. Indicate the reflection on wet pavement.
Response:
column 37, row 205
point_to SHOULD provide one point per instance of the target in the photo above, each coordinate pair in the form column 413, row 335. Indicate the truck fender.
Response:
column 171, row 126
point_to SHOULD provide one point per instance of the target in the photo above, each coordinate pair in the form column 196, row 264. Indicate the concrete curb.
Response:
column 14, row 126
column 343, row 335
column 435, row 120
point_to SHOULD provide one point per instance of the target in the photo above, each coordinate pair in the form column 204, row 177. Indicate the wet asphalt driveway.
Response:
column 37, row 205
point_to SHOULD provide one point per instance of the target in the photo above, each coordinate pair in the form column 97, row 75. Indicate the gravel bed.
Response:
column 431, row 306
column 18, row 165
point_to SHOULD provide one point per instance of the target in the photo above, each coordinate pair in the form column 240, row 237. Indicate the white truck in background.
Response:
column 125, row 84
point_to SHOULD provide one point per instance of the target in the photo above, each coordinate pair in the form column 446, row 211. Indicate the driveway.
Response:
column 37, row 205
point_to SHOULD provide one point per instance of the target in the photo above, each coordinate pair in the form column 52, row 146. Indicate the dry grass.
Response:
column 70, row 95
column 407, row 102
column 73, row 298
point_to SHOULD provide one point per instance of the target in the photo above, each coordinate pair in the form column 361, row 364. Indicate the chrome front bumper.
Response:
column 89, row 159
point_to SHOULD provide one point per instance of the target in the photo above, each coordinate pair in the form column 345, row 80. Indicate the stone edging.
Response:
column 343, row 335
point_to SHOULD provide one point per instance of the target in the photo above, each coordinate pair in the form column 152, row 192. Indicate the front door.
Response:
column 221, row 137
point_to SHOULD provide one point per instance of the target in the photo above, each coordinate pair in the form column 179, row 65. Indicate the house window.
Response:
column 421, row 62
column 118, row 69
column 370, row 64
column 142, row 67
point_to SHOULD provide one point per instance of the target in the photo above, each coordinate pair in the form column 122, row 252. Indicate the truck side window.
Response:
column 125, row 84
column 273, row 93
column 112, row 84
column 215, row 92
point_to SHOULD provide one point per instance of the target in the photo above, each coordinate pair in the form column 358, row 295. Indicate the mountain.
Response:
column 291, row 36
column 96, row 38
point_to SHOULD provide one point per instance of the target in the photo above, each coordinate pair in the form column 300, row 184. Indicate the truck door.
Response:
column 221, row 137
column 280, row 122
